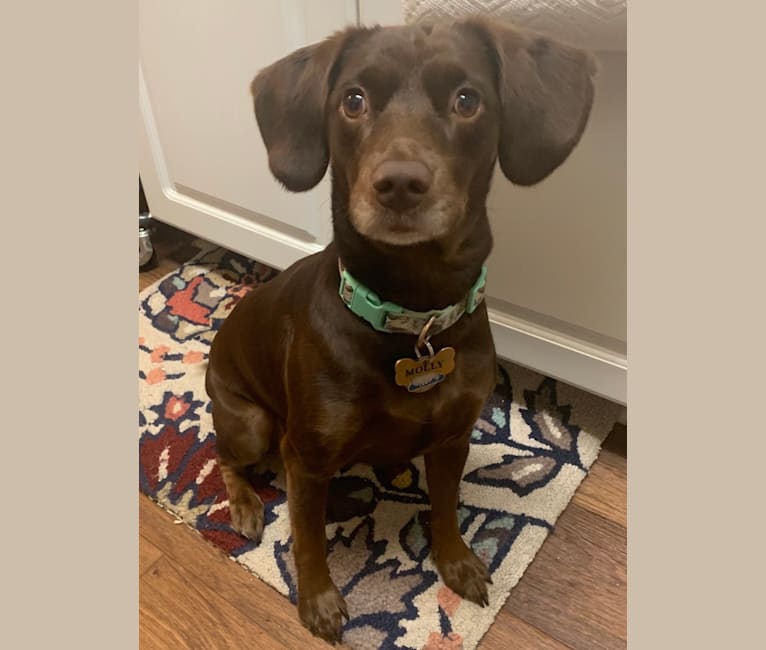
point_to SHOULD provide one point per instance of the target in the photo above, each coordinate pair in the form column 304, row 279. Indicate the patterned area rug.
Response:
column 530, row 450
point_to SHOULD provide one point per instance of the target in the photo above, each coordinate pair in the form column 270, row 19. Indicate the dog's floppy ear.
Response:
column 546, row 93
column 289, row 98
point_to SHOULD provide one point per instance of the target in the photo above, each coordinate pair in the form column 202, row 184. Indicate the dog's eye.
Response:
column 354, row 103
column 467, row 102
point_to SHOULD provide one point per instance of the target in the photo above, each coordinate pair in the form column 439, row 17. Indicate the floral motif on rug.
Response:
column 531, row 448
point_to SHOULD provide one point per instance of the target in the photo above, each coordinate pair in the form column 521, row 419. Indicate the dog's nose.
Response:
column 401, row 184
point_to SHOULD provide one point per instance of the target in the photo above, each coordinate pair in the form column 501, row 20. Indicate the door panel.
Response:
column 197, row 60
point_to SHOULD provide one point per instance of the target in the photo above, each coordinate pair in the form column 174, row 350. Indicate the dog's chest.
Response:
column 403, row 425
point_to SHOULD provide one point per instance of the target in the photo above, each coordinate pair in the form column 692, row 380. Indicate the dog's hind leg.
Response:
column 244, row 432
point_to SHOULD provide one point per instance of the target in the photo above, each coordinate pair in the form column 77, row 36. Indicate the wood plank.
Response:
column 575, row 588
column 249, row 595
column 509, row 632
column 150, row 277
column 617, row 441
column 164, row 266
column 148, row 554
column 604, row 492
column 178, row 612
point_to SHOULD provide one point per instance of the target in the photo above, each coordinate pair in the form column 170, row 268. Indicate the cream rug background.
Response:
column 531, row 448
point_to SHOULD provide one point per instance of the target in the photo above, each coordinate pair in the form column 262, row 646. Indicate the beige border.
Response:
column 696, row 324
column 69, row 118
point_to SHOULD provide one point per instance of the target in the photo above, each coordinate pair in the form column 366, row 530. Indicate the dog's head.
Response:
column 413, row 119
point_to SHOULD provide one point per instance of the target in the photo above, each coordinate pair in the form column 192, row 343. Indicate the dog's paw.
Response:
column 465, row 574
column 247, row 515
column 322, row 613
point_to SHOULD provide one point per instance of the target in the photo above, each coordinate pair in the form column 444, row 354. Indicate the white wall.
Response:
column 562, row 243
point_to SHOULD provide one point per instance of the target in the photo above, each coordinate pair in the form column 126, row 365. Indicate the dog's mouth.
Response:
column 400, row 222
column 398, row 229
column 424, row 223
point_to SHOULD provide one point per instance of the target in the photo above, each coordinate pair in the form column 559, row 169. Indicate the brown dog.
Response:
column 411, row 121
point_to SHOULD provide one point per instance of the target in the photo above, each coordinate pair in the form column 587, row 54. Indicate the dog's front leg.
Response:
column 458, row 566
column 320, row 606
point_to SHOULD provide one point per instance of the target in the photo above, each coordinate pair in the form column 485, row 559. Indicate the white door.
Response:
column 202, row 162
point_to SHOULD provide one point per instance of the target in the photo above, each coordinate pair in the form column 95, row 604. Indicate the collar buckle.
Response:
column 364, row 302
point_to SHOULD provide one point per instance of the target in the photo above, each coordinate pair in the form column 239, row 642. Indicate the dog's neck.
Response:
column 421, row 277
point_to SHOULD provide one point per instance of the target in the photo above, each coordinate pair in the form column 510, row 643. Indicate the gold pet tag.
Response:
column 422, row 374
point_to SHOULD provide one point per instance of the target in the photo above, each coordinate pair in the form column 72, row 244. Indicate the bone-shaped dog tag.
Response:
column 420, row 375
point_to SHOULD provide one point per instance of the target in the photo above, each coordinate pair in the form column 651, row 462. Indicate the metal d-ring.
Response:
column 423, row 339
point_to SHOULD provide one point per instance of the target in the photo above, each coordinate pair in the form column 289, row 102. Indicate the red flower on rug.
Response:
column 436, row 641
column 183, row 304
column 176, row 407
column 448, row 600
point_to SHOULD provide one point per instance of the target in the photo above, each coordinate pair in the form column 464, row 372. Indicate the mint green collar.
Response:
column 390, row 317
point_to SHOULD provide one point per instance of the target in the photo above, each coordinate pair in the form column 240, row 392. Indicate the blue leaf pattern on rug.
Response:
column 548, row 422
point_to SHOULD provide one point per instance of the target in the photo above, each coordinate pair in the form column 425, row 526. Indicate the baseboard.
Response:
column 275, row 248
column 560, row 356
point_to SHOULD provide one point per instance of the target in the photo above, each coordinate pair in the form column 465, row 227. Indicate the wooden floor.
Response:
column 573, row 595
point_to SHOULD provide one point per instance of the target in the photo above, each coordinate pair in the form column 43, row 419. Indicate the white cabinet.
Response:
column 202, row 161
column 558, row 270
column 557, row 283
